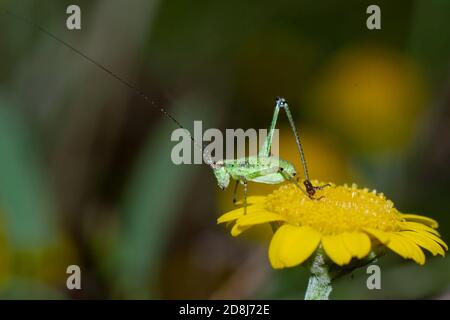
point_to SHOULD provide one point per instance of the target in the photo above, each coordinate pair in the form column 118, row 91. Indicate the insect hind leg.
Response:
column 289, row 177
column 311, row 189
column 319, row 188
column 322, row 186
column 282, row 104
column 235, row 192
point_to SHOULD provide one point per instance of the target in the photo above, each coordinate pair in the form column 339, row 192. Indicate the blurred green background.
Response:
column 85, row 171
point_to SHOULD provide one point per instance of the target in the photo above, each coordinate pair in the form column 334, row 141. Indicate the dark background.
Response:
column 85, row 171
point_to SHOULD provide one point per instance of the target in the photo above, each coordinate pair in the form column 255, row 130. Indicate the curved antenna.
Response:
column 206, row 156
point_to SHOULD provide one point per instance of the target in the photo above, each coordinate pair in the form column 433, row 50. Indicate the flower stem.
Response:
column 319, row 285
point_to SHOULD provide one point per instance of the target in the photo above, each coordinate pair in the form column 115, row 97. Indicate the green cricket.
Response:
column 263, row 168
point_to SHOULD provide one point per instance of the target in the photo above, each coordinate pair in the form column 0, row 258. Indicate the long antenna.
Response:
column 140, row 93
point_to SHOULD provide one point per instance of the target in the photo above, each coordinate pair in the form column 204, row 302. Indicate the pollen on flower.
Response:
column 346, row 222
column 341, row 208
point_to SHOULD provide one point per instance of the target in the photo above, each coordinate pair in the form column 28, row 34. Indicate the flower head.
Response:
column 347, row 222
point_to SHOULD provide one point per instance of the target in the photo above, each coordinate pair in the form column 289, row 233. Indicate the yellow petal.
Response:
column 274, row 247
column 415, row 252
column 231, row 215
column 382, row 236
column 435, row 238
column 406, row 248
column 237, row 213
column 398, row 246
column 421, row 219
column 358, row 244
column 335, row 249
column 252, row 200
column 414, row 226
column 426, row 231
column 424, row 242
column 237, row 230
column 258, row 218
column 292, row 245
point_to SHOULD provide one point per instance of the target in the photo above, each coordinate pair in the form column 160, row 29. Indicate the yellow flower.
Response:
column 347, row 223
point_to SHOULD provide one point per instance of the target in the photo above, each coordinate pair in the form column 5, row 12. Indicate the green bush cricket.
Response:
column 265, row 168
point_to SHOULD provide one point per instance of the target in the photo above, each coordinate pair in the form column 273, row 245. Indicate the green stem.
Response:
column 319, row 285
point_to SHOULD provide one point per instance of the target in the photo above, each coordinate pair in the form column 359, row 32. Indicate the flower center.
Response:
column 341, row 209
